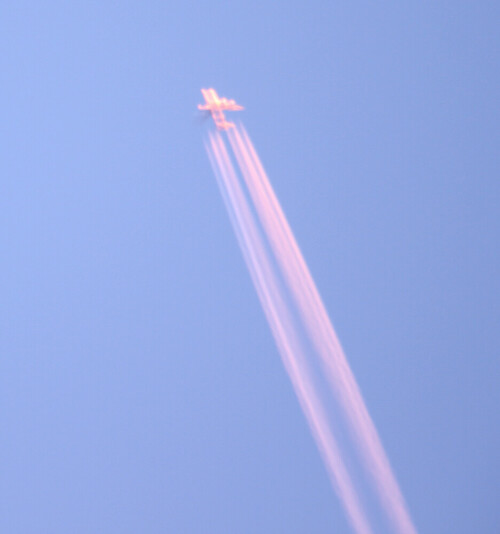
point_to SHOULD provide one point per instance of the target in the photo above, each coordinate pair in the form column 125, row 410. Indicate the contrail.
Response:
column 258, row 237
column 285, row 336
column 321, row 330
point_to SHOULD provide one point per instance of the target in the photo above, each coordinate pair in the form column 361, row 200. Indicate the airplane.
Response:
column 217, row 106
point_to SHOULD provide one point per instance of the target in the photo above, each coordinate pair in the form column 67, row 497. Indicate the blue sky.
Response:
column 140, row 389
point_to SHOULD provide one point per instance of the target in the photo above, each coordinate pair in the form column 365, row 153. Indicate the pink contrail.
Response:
column 268, row 290
column 316, row 320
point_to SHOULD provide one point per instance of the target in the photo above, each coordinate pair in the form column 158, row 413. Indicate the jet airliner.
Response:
column 217, row 106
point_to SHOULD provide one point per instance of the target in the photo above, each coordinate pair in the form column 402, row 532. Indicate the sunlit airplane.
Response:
column 217, row 106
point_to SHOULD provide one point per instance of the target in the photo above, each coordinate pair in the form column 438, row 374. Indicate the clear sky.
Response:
column 140, row 388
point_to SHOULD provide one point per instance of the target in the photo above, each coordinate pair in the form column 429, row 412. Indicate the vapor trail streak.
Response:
column 317, row 322
column 268, row 290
